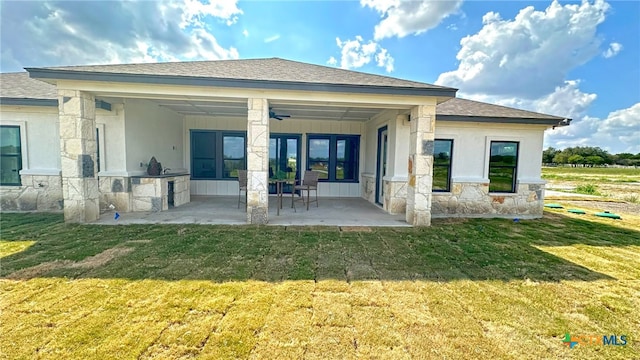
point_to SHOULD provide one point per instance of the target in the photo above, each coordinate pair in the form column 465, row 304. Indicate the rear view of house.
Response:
column 80, row 138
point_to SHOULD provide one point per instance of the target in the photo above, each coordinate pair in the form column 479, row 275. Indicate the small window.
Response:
column 10, row 155
column 503, row 164
column 217, row 155
column 442, row 155
column 334, row 157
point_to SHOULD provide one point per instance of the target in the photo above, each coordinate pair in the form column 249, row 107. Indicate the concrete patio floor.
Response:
column 223, row 210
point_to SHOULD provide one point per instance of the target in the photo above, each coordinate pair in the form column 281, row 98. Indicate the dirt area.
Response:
column 88, row 263
column 619, row 207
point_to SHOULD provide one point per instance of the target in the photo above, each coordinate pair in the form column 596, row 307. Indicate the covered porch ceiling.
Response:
column 296, row 110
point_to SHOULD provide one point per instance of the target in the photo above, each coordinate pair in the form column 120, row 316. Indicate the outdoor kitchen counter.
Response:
column 160, row 192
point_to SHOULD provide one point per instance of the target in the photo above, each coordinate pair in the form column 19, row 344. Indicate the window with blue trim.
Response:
column 334, row 157
column 217, row 155
column 442, row 155
column 10, row 155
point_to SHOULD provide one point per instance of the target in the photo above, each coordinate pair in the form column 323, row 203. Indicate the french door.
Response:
column 284, row 155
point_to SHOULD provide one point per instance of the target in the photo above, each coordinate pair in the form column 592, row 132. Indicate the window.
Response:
column 503, row 164
column 217, row 155
column 10, row 155
column 334, row 157
column 442, row 154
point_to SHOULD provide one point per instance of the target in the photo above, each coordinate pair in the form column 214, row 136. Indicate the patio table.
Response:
column 279, row 192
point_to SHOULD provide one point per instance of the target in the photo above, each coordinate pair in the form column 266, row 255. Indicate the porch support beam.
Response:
column 78, row 152
column 420, row 169
column 257, row 161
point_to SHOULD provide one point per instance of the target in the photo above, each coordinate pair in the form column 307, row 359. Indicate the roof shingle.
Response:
column 469, row 108
column 273, row 69
column 21, row 86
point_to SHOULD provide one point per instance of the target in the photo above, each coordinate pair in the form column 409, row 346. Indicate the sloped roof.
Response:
column 272, row 69
column 463, row 108
column 20, row 86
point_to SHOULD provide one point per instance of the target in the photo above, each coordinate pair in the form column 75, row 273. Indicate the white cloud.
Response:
column 402, row 18
column 194, row 11
column 530, row 55
column 383, row 59
column 272, row 38
column 245, row 32
column 357, row 53
column 332, row 61
column 70, row 33
column 613, row 50
column 618, row 132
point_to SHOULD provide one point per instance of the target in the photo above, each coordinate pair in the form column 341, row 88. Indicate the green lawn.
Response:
column 598, row 174
column 461, row 289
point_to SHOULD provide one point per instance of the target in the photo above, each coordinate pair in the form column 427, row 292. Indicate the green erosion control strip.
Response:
column 554, row 206
column 608, row 215
column 576, row 211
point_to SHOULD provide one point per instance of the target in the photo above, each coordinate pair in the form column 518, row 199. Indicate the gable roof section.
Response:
column 458, row 109
column 273, row 73
column 20, row 89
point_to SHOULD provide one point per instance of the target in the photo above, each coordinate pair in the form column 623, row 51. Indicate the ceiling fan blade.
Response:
column 277, row 117
column 284, row 115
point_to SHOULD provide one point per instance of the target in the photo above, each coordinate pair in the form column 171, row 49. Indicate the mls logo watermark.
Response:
column 594, row 340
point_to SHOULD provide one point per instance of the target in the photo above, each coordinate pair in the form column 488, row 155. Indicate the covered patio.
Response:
column 223, row 210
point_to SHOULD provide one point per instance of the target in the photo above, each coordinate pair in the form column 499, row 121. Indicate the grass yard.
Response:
column 461, row 289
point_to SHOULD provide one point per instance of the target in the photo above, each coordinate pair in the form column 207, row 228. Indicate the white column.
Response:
column 420, row 170
column 78, row 147
column 258, row 161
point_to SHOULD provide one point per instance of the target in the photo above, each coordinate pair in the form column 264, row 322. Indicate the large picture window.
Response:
column 442, row 155
column 503, row 165
column 10, row 155
column 334, row 157
column 217, row 155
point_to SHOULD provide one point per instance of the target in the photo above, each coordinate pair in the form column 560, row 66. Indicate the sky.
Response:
column 579, row 60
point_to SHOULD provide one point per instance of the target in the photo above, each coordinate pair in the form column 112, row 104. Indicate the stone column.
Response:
column 420, row 170
column 258, row 161
column 77, row 116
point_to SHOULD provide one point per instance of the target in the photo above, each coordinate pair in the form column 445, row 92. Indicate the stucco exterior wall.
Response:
column 41, row 188
column 149, row 131
column 287, row 126
column 469, row 195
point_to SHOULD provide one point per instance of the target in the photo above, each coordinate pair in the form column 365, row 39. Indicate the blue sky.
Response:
column 568, row 58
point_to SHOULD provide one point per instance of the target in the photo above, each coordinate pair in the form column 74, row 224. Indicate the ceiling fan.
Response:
column 273, row 115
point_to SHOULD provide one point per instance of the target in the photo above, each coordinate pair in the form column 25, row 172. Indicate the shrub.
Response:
column 588, row 189
column 633, row 198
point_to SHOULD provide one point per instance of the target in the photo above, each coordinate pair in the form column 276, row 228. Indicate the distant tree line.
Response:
column 588, row 156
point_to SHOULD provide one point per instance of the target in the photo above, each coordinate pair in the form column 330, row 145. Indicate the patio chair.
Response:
column 242, row 186
column 309, row 183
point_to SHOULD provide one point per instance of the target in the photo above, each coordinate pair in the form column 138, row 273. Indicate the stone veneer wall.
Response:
column 116, row 191
column 395, row 196
column 368, row 184
column 474, row 200
column 37, row 193
column 151, row 194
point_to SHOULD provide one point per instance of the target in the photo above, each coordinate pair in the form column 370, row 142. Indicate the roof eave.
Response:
column 506, row 120
column 43, row 73
column 28, row 101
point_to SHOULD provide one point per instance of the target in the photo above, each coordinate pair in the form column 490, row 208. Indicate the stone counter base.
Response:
column 37, row 193
column 474, row 200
